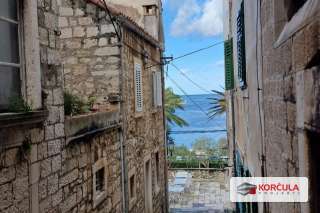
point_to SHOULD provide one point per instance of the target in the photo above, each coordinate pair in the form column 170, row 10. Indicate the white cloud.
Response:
column 219, row 63
column 192, row 18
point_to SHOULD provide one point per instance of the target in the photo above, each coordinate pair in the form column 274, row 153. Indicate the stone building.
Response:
column 272, row 82
column 110, row 157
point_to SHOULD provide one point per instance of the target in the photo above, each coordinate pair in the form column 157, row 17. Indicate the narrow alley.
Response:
column 159, row 106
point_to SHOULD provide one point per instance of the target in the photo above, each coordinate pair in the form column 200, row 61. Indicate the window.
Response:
column 150, row 9
column 10, row 52
column 241, row 48
column 157, row 174
column 99, row 181
column 138, row 87
column 157, row 89
column 228, row 58
column 132, row 187
column 293, row 6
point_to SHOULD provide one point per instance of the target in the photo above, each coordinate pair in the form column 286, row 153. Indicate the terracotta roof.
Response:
column 128, row 22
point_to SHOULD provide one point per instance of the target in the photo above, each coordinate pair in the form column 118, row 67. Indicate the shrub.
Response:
column 18, row 104
column 73, row 105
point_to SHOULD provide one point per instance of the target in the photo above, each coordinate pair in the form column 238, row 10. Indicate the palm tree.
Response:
column 218, row 104
column 172, row 103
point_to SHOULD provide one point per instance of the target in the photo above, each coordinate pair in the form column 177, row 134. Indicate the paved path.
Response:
column 205, row 195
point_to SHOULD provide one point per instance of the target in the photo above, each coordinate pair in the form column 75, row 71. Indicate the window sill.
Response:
column 82, row 126
column 8, row 120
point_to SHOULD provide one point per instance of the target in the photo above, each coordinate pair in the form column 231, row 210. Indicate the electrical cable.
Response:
column 189, row 79
column 111, row 18
column 188, row 96
column 192, row 52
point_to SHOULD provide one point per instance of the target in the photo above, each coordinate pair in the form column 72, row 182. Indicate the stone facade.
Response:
column 50, row 162
column 271, row 120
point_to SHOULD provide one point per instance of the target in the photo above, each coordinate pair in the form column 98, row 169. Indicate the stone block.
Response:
column 50, row 21
column 11, row 157
column 42, row 150
column 43, row 188
column 7, row 174
column 103, row 41
column 53, row 183
column 49, row 132
column 66, row 11
column 57, row 198
column 78, row 32
column 56, row 163
column 59, row 130
column 107, row 28
column 66, row 33
column 6, row 197
column 73, row 21
column 54, row 147
column 73, row 44
column 85, row 21
column 107, row 51
column 58, row 97
column 21, row 189
column 88, row 43
column 92, row 31
column 78, row 12
column 69, row 178
column 45, row 168
column 69, row 203
column 45, row 205
column 63, row 22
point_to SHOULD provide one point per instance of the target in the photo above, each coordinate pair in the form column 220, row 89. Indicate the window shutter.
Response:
column 157, row 89
column 242, row 75
column 228, row 58
column 138, row 87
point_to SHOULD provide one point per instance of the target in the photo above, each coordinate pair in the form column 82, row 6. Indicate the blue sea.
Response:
column 198, row 120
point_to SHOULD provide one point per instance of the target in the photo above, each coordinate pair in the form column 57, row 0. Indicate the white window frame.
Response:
column 138, row 84
column 132, row 200
column 29, row 53
column 157, row 170
column 98, row 197
column 157, row 88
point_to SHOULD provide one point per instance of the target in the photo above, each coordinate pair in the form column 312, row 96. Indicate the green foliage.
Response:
column 172, row 103
column 18, row 104
column 218, row 104
column 91, row 101
column 74, row 105
column 194, row 163
column 203, row 144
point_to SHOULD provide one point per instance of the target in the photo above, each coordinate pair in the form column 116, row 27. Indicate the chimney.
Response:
column 151, row 20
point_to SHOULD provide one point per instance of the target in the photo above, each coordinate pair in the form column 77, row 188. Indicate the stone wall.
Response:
column 281, row 94
column 144, row 131
column 90, row 52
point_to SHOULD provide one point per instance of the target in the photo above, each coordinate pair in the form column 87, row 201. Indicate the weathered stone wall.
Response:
column 285, row 69
column 76, row 182
column 144, row 131
column 285, row 79
column 90, row 51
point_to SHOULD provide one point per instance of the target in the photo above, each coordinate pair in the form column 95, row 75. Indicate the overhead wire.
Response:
column 191, row 53
column 189, row 79
column 188, row 96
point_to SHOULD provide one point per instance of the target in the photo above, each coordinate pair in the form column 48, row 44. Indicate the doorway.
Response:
column 314, row 173
column 148, row 186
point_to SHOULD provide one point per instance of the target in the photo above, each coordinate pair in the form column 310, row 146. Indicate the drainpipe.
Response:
column 124, row 177
column 166, row 193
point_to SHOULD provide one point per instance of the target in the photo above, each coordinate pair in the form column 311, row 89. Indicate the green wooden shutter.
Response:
column 242, row 74
column 228, row 58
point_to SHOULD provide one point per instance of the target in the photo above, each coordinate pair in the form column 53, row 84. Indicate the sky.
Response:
column 191, row 25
